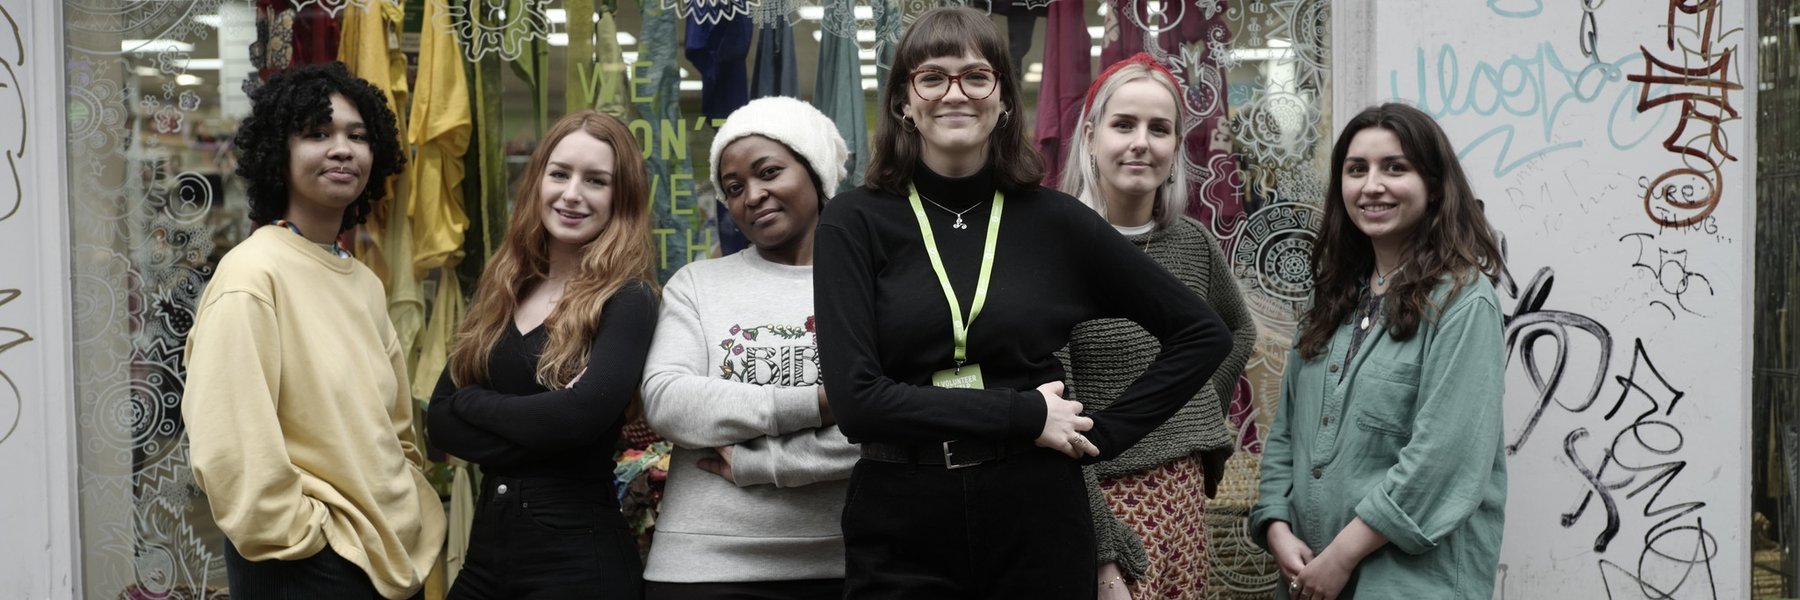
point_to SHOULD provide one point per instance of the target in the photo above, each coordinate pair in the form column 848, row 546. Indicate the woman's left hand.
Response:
column 720, row 465
column 1322, row 579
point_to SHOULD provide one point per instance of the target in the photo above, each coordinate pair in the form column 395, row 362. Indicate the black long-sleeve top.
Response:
column 884, row 325
column 514, row 427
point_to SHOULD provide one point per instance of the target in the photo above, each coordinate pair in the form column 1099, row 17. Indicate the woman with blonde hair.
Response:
column 546, row 367
column 944, row 287
column 1126, row 163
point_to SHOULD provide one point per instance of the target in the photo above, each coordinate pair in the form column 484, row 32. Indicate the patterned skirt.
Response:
column 1167, row 508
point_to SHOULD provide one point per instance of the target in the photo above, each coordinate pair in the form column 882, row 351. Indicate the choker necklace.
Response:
column 959, row 224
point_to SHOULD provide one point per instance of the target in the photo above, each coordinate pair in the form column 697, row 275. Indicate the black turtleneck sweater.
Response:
column 884, row 326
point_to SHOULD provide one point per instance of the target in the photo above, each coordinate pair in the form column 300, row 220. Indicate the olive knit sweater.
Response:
column 1106, row 355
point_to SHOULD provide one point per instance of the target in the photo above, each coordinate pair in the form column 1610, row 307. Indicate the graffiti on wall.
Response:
column 1628, row 461
column 1693, row 70
column 1603, row 404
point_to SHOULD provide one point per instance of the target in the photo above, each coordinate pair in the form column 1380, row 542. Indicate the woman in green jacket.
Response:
column 1383, row 476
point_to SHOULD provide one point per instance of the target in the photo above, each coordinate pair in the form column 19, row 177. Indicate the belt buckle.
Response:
column 950, row 458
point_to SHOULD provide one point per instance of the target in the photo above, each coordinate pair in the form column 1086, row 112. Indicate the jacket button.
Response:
column 501, row 489
column 1333, row 368
column 1317, row 472
column 1327, row 420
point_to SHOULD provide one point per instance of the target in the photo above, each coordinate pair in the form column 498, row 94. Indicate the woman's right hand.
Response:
column 1290, row 553
column 1063, row 424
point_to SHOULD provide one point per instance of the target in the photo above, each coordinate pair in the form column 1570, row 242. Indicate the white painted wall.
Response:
column 38, row 551
column 1554, row 140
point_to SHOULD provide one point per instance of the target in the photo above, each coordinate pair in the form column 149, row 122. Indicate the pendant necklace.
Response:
column 1369, row 308
column 1382, row 280
column 1375, row 299
column 959, row 224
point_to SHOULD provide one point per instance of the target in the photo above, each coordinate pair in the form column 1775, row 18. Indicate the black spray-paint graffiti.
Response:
column 11, row 198
column 1639, row 462
column 11, row 408
column 1670, row 270
column 1527, row 326
column 1644, row 451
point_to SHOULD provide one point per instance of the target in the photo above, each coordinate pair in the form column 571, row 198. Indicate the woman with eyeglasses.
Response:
column 944, row 287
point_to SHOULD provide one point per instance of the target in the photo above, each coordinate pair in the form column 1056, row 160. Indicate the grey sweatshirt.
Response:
column 735, row 362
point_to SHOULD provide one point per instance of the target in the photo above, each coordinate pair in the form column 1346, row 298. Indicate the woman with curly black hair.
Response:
column 296, row 103
column 299, row 420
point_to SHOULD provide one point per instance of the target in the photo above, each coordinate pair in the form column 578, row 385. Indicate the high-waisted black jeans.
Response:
column 543, row 539
column 1019, row 527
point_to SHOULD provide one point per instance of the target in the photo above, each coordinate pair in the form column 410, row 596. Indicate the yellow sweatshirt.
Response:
column 299, row 418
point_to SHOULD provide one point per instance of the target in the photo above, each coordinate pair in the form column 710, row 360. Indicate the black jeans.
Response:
column 322, row 575
column 802, row 589
column 1019, row 527
column 541, row 539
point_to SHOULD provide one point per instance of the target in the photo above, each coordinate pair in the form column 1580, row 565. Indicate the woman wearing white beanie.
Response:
column 757, row 480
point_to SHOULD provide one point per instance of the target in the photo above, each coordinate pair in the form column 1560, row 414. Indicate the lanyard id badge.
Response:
column 962, row 375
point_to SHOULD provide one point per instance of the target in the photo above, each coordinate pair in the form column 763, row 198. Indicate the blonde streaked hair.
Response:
column 1081, row 180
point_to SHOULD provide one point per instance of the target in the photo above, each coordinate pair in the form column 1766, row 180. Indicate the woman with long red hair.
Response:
column 546, row 367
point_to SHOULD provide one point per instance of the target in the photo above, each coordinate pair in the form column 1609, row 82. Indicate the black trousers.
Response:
column 322, row 575
column 803, row 589
column 1019, row 527
column 542, row 539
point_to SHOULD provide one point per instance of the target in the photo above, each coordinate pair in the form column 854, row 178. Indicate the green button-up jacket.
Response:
column 1408, row 439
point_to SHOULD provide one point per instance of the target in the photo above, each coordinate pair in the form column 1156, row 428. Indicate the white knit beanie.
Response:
column 797, row 125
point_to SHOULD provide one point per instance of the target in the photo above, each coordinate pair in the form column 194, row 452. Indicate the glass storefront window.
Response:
column 156, row 89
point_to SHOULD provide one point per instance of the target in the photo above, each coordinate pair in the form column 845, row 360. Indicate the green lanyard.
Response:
column 958, row 327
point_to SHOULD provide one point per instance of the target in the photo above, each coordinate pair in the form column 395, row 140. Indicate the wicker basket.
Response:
column 1237, row 568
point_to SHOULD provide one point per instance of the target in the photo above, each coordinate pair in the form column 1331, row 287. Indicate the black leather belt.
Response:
column 954, row 454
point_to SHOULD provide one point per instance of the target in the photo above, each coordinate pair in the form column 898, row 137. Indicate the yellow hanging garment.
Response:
column 369, row 45
column 440, row 128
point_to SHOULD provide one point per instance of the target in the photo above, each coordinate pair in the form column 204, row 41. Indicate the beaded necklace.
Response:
column 334, row 248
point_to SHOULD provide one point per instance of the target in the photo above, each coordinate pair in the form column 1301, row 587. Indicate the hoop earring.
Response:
column 907, row 124
column 1005, row 117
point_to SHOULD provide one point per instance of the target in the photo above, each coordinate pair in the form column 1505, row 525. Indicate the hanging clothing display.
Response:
column 776, row 73
column 717, row 44
column 287, row 37
column 838, row 91
column 439, row 130
column 1067, row 73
